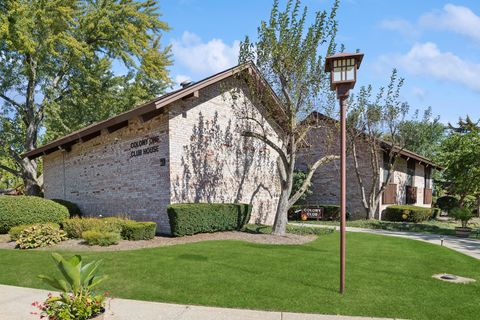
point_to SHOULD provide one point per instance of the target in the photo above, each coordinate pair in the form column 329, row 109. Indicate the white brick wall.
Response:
column 218, row 165
column 212, row 162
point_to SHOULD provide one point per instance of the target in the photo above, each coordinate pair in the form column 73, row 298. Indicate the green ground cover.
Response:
column 446, row 227
column 387, row 276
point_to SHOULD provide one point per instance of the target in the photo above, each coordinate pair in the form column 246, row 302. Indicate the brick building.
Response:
column 185, row 146
column 410, row 183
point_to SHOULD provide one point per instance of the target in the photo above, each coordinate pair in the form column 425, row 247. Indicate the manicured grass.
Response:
column 433, row 226
column 387, row 276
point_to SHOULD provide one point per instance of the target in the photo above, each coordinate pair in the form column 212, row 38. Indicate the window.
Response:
column 411, row 173
column 386, row 167
column 344, row 70
column 428, row 177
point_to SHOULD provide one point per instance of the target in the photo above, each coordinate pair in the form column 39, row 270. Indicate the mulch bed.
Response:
column 162, row 241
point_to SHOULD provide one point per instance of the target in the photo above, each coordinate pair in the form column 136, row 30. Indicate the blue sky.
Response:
column 434, row 44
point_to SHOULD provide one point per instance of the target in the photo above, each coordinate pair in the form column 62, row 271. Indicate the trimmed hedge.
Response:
column 76, row 226
column 191, row 218
column 128, row 229
column 407, row 213
column 100, row 238
column 330, row 212
column 73, row 209
column 132, row 230
column 17, row 210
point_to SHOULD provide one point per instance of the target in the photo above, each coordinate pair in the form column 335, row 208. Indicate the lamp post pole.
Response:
column 343, row 75
column 343, row 186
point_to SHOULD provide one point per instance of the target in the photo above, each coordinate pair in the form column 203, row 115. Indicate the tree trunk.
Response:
column 478, row 206
column 29, row 176
column 281, row 217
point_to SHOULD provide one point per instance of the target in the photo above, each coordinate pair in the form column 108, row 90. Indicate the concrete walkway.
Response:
column 15, row 304
column 470, row 247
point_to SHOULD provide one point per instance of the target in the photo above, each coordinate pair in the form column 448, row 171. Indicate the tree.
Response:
column 373, row 126
column 56, row 69
column 460, row 155
column 423, row 135
column 289, row 56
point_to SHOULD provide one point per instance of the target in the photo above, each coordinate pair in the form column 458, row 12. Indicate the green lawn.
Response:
column 432, row 226
column 387, row 276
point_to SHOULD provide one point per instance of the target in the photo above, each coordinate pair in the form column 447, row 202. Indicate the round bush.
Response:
column 447, row 203
column 17, row 210
column 73, row 209
column 407, row 213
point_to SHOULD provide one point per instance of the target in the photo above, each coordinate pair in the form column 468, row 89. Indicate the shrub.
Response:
column 330, row 212
column 132, row 230
column 15, row 232
column 407, row 213
column 76, row 226
column 447, row 203
column 40, row 235
column 188, row 219
column 73, row 209
column 462, row 214
column 77, row 300
column 101, row 238
column 20, row 210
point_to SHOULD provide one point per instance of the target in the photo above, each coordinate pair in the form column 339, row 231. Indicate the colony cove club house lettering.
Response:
column 144, row 146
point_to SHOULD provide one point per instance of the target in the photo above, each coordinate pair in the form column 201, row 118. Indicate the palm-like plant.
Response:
column 78, row 278
column 77, row 301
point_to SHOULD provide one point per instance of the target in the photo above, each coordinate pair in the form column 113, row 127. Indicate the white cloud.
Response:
column 458, row 19
column 427, row 59
column 205, row 57
column 420, row 93
column 401, row 26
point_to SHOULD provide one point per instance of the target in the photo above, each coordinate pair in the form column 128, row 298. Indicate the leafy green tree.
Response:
column 460, row 155
column 373, row 123
column 56, row 69
column 423, row 135
column 290, row 55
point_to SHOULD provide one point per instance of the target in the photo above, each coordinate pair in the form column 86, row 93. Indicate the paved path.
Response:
column 15, row 304
column 469, row 247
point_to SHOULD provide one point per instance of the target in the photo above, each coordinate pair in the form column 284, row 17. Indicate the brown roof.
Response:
column 148, row 110
column 384, row 144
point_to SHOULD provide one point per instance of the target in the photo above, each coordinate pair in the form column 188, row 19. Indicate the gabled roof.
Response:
column 147, row 111
column 384, row 144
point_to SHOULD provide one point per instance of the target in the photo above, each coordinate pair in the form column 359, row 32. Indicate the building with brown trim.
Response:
column 185, row 146
column 410, row 183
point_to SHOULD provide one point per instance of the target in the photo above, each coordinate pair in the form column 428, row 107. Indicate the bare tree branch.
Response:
column 270, row 143
column 10, row 170
column 308, row 178
column 9, row 100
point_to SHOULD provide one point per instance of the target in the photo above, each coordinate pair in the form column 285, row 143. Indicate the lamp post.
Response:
column 343, row 75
